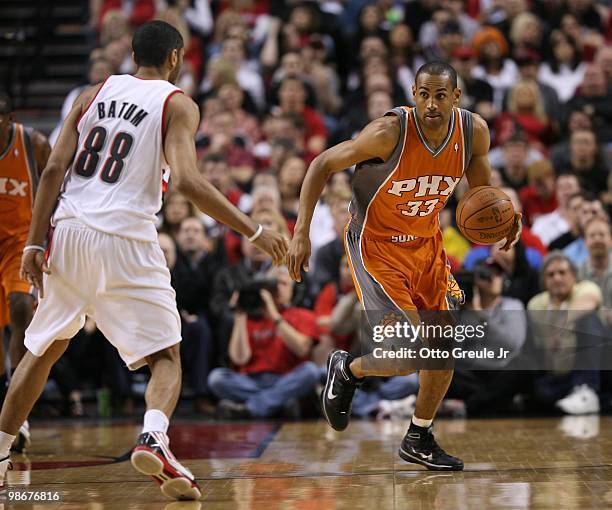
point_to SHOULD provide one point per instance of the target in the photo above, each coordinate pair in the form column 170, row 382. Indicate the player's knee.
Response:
column 217, row 379
column 20, row 306
column 170, row 354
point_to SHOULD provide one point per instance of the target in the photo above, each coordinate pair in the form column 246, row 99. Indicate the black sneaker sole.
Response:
column 408, row 457
column 326, row 389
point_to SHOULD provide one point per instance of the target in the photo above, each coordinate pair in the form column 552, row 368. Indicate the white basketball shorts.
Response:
column 124, row 285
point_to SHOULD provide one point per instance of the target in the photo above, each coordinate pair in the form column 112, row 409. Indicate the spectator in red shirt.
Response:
column 269, row 350
column 539, row 196
column 292, row 98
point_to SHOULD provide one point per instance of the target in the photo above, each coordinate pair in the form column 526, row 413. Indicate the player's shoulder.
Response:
column 385, row 127
column 480, row 125
column 181, row 104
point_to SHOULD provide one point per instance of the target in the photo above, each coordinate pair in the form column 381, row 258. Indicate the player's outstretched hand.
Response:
column 274, row 244
column 298, row 256
column 515, row 232
column 33, row 265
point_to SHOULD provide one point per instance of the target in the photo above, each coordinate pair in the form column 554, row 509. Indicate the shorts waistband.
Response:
column 355, row 229
column 71, row 222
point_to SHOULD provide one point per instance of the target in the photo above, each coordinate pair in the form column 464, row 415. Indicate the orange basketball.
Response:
column 485, row 215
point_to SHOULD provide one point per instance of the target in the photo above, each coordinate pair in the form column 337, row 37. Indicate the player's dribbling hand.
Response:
column 515, row 232
column 274, row 244
column 33, row 265
column 298, row 256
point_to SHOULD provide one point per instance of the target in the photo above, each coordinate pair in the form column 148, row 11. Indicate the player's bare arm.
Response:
column 33, row 263
column 478, row 172
column 376, row 140
column 183, row 119
column 42, row 150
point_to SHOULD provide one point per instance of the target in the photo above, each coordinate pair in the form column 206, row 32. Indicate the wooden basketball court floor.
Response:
column 549, row 463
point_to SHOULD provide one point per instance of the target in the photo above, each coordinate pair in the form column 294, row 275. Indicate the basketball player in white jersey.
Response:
column 104, row 259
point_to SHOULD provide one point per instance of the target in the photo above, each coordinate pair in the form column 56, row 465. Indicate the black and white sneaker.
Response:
column 337, row 396
column 23, row 440
column 152, row 456
column 5, row 465
column 419, row 447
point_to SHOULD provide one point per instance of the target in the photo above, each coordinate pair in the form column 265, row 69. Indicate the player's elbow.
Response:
column 184, row 184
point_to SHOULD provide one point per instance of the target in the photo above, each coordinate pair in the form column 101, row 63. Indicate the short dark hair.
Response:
column 438, row 68
column 6, row 104
column 153, row 42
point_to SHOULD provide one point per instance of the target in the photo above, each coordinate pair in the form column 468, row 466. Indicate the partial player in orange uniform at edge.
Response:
column 23, row 154
column 408, row 164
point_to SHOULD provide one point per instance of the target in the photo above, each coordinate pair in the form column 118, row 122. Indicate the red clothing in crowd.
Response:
column 534, row 204
column 313, row 124
column 533, row 241
column 269, row 353
column 324, row 306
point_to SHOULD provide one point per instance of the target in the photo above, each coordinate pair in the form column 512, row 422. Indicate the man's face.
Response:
column 372, row 46
column 559, row 279
column 434, row 98
column 284, row 288
column 233, row 50
column 191, row 236
column 598, row 239
column 292, row 64
column 583, row 146
column 218, row 174
column 567, row 185
column 594, row 82
column 545, row 185
column 378, row 104
column 490, row 282
column 573, row 210
column 340, row 213
column 588, row 210
column 516, row 155
column 291, row 94
column 464, row 66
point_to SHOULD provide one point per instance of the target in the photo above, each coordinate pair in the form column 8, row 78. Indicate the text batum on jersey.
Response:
column 125, row 111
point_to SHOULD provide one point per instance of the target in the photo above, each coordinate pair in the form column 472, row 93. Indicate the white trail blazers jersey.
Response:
column 115, row 181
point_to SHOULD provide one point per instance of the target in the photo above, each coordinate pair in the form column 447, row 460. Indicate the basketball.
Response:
column 485, row 215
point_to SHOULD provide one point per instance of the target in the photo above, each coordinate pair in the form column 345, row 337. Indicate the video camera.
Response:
column 249, row 300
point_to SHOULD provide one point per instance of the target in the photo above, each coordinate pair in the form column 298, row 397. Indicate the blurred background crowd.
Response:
column 277, row 82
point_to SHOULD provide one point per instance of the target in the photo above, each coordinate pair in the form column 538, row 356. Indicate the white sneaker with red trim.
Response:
column 152, row 456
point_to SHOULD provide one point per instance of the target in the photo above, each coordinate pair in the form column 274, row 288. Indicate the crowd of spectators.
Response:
column 279, row 81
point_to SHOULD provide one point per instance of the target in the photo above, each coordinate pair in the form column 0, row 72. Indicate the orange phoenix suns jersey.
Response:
column 399, row 200
column 18, row 181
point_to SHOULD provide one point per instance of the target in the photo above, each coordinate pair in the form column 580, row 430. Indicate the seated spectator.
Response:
column 292, row 99
column 269, row 349
column 514, row 171
column 174, row 210
column 529, row 239
column 595, row 99
column 520, row 264
column 476, row 94
column 214, row 167
column 246, row 126
column 577, row 251
column 198, row 351
column 337, row 309
column 528, row 61
column 222, row 138
column 480, row 383
column 585, row 160
column 598, row 267
column 497, row 70
column 253, row 263
column 550, row 226
column 329, row 255
column 564, row 69
column 290, row 178
column 526, row 109
column 569, row 333
column 538, row 197
column 526, row 31
column 573, row 212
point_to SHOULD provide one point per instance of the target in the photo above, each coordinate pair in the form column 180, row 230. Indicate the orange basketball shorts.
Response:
column 11, row 250
column 399, row 277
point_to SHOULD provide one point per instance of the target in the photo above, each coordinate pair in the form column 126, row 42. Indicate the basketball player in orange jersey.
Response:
column 116, row 145
column 23, row 155
column 408, row 163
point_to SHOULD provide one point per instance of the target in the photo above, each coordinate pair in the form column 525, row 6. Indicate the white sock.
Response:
column 6, row 440
column 421, row 423
column 155, row 421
